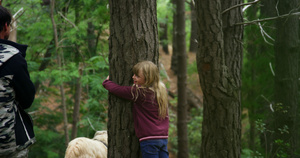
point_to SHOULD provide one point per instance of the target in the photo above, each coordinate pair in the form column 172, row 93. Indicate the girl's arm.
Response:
column 120, row 91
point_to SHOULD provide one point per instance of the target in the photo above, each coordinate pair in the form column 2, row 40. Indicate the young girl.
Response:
column 150, row 108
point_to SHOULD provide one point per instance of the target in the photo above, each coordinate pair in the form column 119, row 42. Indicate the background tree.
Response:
column 61, row 67
column 132, row 39
column 181, row 80
column 163, row 27
column 174, row 61
column 194, row 28
column 219, row 65
column 257, row 69
column 286, row 81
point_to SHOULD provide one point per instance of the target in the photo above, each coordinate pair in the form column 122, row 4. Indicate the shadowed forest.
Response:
column 231, row 69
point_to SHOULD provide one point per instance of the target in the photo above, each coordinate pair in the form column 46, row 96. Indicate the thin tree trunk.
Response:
column 78, row 88
column 174, row 45
column 91, row 39
column 194, row 29
column 77, row 99
column 133, row 38
column 181, row 84
column 45, row 62
column 61, row 86
column 164, row 36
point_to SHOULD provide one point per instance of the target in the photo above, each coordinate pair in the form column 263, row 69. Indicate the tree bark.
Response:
column 181, row 80
column 219, row 62
column 133, row 38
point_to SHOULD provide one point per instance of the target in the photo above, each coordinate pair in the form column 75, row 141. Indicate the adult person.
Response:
column 16, row 94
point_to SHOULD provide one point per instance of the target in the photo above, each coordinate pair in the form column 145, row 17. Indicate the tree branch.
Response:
column 15, row 17
column 239, row 5
column 268, row 19
column 68, row 20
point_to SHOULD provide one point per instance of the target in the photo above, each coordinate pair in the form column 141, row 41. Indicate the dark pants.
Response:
column 154, row 148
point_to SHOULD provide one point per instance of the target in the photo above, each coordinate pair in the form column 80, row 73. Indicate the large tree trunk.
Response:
column 133, row 38
column 219, row 62
column 286, row 79
column 181, row 78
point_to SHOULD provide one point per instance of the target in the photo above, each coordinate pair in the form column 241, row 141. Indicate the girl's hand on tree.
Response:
column 107, row 78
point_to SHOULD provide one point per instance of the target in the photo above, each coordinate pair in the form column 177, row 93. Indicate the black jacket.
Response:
column 16, row 94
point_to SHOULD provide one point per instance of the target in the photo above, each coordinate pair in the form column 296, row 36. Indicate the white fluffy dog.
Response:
column 83, row 147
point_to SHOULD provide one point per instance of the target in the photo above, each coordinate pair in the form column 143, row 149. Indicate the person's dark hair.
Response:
column 5, row 17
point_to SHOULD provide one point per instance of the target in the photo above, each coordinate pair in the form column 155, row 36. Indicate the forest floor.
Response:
column 192, row 79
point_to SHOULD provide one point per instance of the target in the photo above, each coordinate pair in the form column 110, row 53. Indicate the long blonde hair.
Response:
column 151, row 74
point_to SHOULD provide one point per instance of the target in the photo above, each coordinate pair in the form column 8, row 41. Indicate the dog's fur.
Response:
column 82, row 147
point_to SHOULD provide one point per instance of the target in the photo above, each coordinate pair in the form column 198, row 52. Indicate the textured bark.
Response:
column 219, row 62
column 133, row 38
column 286, row 78
column 181, row 80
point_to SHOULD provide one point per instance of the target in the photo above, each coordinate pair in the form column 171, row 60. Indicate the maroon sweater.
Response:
column 147, row 124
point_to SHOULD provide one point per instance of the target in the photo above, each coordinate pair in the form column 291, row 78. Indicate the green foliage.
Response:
column 35, row 29
column 192, row 68
column 257, row 86
column 247, row 153
column 194, row 132
column 45, row 146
